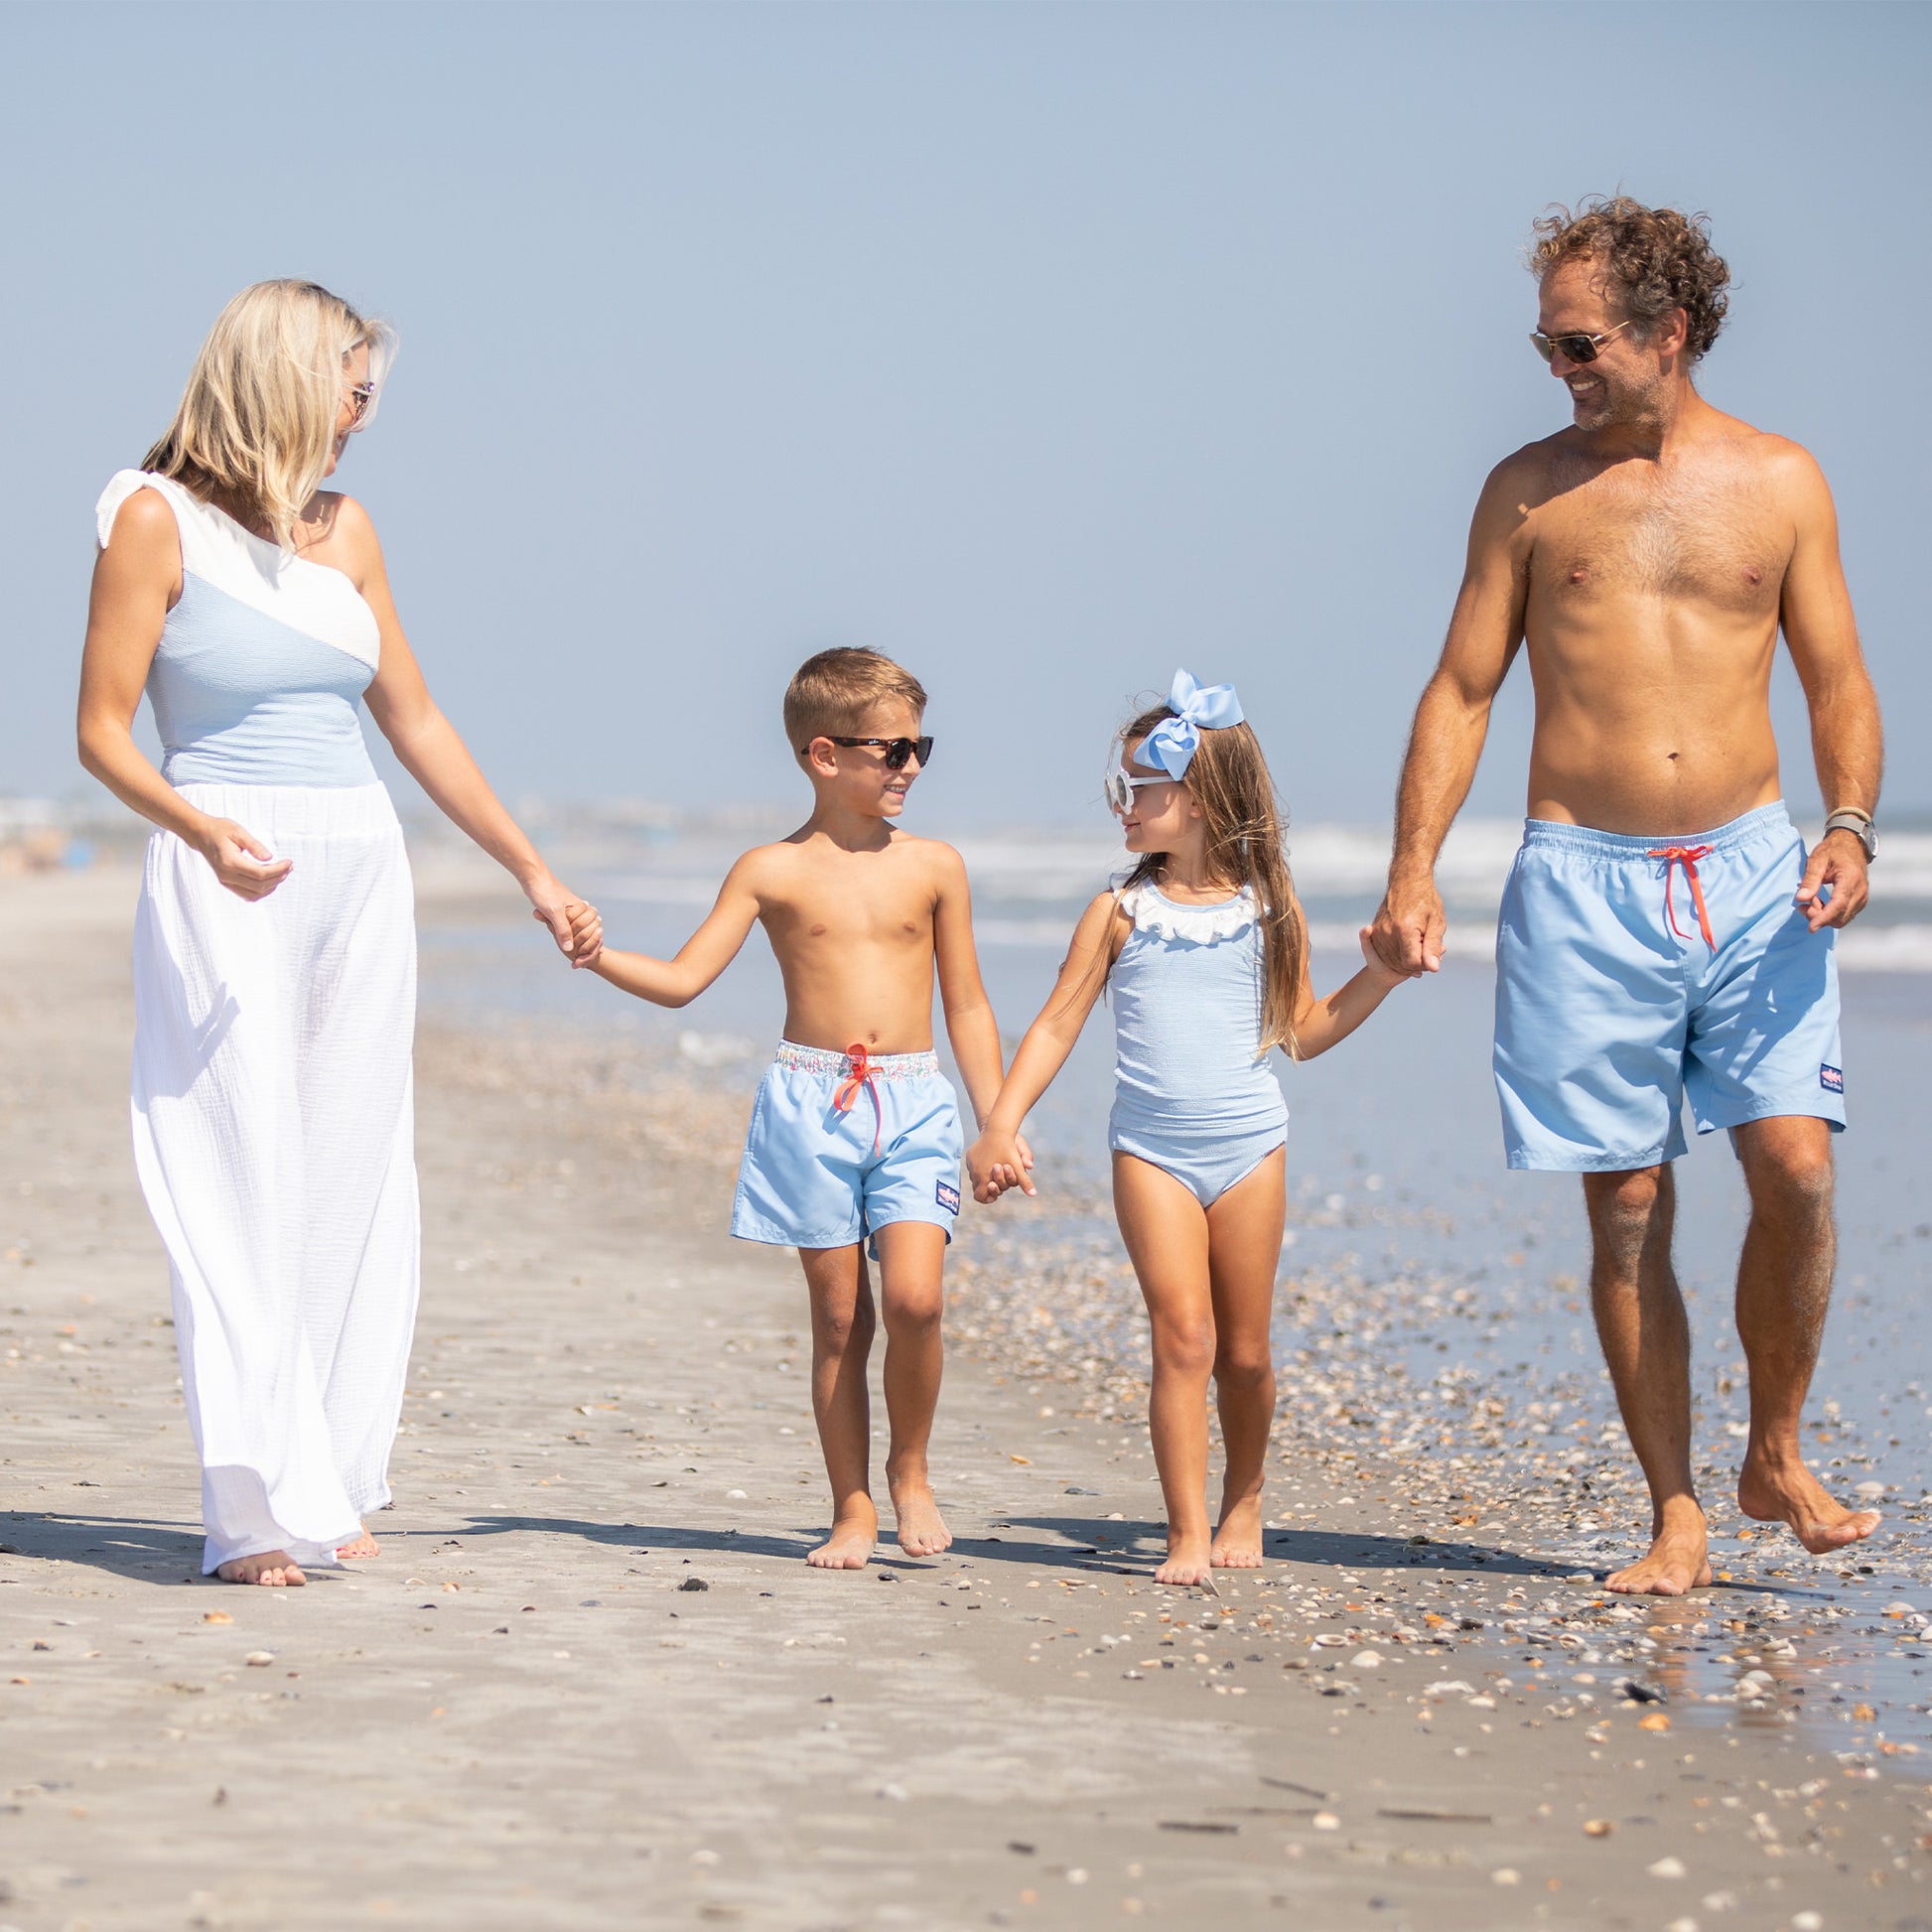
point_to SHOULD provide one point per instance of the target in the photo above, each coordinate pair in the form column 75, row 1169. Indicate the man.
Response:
column 1663, row 933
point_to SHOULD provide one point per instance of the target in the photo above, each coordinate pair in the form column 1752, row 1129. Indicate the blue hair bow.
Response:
column 1172, row 743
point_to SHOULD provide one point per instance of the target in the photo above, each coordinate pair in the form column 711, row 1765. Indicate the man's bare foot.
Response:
column 274, row 1569
column 1237, row 1540
column 854, row 1535
column 362, row 1545
column 922, row 1531
column 1189, row 1560
column 1788, row 1493
column 1674, row 1563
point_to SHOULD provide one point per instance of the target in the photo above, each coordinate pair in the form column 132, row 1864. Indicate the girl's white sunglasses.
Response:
column 1121, row 786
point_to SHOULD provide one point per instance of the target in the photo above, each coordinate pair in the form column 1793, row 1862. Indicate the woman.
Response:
column 274, row 952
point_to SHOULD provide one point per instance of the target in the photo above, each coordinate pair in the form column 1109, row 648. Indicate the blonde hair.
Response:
column 1244, row 825
column 259, row 416
column 830, row 694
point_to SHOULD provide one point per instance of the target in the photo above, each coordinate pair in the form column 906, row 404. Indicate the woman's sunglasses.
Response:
column 1577, row 347
column 1121, row 785
column 362, row 397
column 899, row 752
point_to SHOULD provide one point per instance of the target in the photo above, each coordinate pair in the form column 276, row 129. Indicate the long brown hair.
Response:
column 1245, row 822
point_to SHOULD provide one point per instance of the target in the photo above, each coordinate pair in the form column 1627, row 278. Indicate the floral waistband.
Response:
column 828, row 1060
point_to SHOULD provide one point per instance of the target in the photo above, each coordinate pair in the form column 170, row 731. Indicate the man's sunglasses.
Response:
column 899, row 752
column 1577, row 347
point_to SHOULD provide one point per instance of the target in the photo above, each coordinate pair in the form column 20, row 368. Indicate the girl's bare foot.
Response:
column 1189, row 1559
column 1674, row 1563
column 1237, row 1540
column 854, row 1535
column 273, row 1569
column 362, row 1545
column 922, row 1531
column 1788, row 1493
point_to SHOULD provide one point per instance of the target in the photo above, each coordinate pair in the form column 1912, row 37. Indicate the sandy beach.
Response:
column 591, row 1683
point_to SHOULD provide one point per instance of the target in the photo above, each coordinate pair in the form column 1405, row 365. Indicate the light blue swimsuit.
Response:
column 1192, row 1092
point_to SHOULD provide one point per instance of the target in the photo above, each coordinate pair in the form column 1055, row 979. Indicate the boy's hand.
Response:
column 996, row 1162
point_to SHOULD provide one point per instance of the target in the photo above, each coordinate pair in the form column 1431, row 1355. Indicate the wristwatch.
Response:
column 1848, row 818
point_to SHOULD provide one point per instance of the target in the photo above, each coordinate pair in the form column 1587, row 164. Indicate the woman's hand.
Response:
column 239, row 860
column 574, row 923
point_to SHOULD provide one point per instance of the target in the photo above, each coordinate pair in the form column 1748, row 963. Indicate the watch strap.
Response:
column 1850, row 819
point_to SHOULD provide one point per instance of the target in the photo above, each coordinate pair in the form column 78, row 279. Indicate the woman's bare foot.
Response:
column 273, row 1569
column 362, row 1545
column 1788, row 1493
column 922, row 1531
column 1189, row 1559
column 1237, row 1538
column 1674, row 1563
column 854, row 1535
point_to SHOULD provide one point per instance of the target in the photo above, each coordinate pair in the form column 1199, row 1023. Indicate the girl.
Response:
column 1207, row 951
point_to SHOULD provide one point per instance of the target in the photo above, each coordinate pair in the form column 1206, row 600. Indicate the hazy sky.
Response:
column 1044, row 347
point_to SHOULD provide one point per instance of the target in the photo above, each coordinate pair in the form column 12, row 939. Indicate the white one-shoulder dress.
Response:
column 273, row 1101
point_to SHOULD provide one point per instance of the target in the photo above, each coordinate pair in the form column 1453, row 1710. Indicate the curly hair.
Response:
column 1657, row 259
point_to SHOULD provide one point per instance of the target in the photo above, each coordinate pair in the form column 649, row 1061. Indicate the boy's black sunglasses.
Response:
column 899, row 752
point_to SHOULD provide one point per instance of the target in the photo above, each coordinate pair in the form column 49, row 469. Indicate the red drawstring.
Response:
column 861, row 1073
column 1686, row 855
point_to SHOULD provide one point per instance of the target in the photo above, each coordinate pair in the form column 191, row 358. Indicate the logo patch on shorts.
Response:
column 1830, row 1079
column 947, row 1197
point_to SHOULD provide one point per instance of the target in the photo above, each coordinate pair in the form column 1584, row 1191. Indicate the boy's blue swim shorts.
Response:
column 842, row 1145
column 1632, row 971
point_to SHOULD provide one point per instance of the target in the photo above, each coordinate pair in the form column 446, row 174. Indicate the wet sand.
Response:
column 591, row 1683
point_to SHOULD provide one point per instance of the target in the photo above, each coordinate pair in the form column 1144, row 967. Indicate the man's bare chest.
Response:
column 1718, row 545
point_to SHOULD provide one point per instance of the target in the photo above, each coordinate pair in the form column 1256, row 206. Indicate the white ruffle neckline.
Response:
column 1151, row 911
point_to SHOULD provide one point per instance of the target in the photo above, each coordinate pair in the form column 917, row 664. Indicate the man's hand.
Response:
column 1834, row 888
column 1410, row 929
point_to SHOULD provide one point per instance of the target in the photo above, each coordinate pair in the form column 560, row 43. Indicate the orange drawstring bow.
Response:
column 861, row 1073
column 1686, row 855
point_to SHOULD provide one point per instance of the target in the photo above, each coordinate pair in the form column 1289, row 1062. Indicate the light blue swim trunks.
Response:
column 842, row 1145
column 1632, row 971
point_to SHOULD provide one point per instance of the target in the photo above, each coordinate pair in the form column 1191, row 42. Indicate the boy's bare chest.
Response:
column 836, row 914
column 1713, row 537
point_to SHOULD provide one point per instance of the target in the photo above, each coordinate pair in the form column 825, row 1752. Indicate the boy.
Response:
column 855, row 1131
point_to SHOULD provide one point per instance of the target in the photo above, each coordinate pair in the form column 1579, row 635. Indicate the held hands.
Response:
column 1377, row 968
column 1834, row 888
column 1410, row 929
column 574, row 923
column 998, row 1161
column 240, row 861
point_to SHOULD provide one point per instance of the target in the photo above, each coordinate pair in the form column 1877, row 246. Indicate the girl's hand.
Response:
column 996, row 1162
column 1383, row 973
column 240, row 861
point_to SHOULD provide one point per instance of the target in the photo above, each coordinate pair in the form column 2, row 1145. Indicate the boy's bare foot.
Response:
column 1674, row 1563
column 1189, row 1560
column 359, row 1545
column 854, row 1535
column 922, row 1531
column 1237, row 1540
column 1788, row 1493
column 274, row 1569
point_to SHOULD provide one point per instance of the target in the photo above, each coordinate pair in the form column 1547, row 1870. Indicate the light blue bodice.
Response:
column 259, row 674
column 1186, row 995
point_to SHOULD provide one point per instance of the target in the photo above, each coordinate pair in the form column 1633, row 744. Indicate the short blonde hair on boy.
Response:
column 830, row 694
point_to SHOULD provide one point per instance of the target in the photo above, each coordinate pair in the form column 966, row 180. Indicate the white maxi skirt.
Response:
column 274, row 1140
